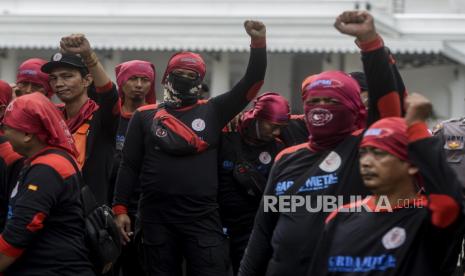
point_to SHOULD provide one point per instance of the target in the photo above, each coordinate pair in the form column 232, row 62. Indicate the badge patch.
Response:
column 319, row 116
column 331, row 163
column 198, row 125
column 161, row 132
column 265, row 157
column 394, row 238
column 32, row 187
column 454, row 144
column 57, row 57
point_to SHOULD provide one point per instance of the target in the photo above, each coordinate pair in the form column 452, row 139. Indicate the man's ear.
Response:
column 88, row 79
column 28, row 137
column 412, row 170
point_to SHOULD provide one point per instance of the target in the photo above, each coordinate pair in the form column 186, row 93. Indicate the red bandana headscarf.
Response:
column 35, row 114
column 30, row 71
column 329, row 125
column 388, row 134
column 270, row 106
column 128, row 69
column 186, row 60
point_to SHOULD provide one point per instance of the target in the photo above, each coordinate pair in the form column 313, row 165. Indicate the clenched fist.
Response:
column 255, row 29
column 419, row 108
column 76, row 44
column 357, row 23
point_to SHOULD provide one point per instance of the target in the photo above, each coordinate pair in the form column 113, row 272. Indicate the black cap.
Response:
column 64, row 60
column 361, row 79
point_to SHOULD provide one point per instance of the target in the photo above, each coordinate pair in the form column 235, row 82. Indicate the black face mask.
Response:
column 183, row 91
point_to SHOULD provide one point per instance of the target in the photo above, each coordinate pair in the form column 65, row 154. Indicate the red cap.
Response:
column 30, row 71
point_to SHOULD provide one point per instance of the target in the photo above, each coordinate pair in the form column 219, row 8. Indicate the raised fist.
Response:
column 255, row 29
column 419, row 108
column 76, row 44
column 356, row 23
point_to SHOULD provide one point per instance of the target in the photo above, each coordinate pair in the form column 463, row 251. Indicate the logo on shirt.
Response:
column 32, row 187
column 394, row 238
column 198, row 124
column 228, row 165
column 331, row 163
column 319, row 116
column 319, row 182
column 265, row 157
column 454, row 142
column 161, row 132
column 282, row 186
column 361, row 263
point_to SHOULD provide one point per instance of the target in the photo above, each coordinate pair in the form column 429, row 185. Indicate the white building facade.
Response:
column 427, row 37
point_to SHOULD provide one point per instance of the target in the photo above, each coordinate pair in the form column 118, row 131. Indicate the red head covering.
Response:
column 6, row 93
column 186, row 60
column 271, row 107
column 30, row 71
column 126, row 70
column 388, row 134
column 35, row 114
column 330, row 124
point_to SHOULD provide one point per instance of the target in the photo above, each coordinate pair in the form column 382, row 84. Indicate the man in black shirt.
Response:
column 172, row 150
column 136, row 88
column 400, row 231
column 245, row 160
column 44, row 233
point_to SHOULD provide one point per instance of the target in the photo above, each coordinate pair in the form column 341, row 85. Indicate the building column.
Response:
column 8, row 65
column 457, row 94
column 279, row 75
column 109, row 61
column 220, row 74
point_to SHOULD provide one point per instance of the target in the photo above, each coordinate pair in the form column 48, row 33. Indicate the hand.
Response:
column 255, row 29
column 418, row 107
column 357, row 23
column 76, row 44
column 124, row 225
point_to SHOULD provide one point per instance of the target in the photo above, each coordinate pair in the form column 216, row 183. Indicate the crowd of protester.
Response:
column 190, row 180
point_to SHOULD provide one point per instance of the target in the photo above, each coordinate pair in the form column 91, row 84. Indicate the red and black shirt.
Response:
column 182, row 188
column 420, row 237
column 284, row 243
column 45, row 225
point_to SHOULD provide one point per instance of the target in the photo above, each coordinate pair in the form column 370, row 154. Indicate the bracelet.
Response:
column 92, row 60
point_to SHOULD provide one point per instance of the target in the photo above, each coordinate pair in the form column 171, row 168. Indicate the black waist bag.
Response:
column 174, row 137
column 102, row 235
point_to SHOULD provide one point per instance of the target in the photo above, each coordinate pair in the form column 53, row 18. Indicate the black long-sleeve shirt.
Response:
column 420, row 237
column 45, row 225
column 284, row 243
column 100, row 143
column 182, row 188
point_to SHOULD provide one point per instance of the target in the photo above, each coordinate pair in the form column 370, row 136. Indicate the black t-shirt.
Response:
column 237, row 207
column 422, row 238
column 182, row 188
column 284, row 243
column 45, row 225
